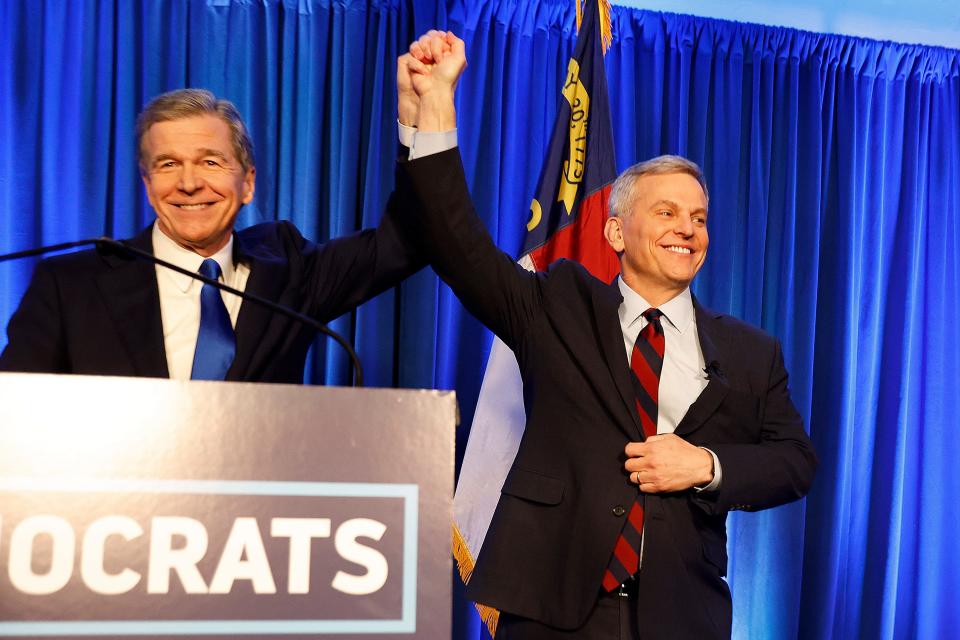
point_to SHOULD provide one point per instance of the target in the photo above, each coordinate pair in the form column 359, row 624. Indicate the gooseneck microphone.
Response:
column 149, row 257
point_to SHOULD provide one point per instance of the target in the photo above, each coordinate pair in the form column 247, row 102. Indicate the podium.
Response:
column 156, row 508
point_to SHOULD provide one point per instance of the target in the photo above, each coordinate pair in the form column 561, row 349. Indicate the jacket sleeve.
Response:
column 346, row 272
column 35, row 332
column 491, row 285
column 779, row 467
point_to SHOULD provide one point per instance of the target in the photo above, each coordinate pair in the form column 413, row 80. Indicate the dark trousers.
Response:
column 613, row 618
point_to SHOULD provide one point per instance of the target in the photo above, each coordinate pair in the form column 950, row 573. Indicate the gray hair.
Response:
column 623, row 194
column 187, row 103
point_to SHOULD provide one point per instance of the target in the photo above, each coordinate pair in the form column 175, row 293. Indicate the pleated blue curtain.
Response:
column 833, row 171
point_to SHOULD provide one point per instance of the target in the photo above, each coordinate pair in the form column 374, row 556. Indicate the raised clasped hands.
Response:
column 427, row 77
column 666, row 462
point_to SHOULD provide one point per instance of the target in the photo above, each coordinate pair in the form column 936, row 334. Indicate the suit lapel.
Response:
column 129, row 292
column 267, row 279
column 606, row 301
column 716, row 390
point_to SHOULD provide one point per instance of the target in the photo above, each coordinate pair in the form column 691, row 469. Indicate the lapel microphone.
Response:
column 122, row 248
column 712, row 370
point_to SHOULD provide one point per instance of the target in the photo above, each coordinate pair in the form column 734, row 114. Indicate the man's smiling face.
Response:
column 663, row 241
column 194, row 181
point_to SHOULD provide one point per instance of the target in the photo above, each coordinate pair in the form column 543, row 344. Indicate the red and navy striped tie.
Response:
column 646, row 362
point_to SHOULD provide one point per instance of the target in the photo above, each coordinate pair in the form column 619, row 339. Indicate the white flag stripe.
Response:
column 494, row 439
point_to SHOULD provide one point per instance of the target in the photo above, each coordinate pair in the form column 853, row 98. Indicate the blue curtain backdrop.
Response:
column 834, row 172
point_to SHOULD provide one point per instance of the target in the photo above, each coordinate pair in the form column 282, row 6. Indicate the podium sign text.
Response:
column 156, row 508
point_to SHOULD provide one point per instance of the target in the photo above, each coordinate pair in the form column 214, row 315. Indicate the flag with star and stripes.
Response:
column 567, row 216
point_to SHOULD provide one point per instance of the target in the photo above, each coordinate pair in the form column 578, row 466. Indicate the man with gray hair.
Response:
column 104, row 313
column 648, row 416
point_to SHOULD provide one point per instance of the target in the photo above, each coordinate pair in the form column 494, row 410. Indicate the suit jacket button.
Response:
column 619, row 511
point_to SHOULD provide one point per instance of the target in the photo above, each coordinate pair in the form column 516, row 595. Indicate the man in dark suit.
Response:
column 108, row 313
column 649, row 417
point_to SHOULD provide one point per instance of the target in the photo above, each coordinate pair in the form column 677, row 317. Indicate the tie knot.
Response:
column 652, row 316
column 209, row 268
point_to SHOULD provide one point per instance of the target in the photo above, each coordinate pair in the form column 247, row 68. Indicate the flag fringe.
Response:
column 465, row 564
column 606, row 27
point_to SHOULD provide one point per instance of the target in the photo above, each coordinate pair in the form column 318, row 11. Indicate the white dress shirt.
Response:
column 682, row 379
column 180, row 298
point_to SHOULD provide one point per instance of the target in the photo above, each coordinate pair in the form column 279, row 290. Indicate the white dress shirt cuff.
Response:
column 406, row 134
column 717, row 474
column 426, row 143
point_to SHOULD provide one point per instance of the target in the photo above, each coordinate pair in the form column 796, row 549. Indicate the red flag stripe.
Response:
column 583, row 240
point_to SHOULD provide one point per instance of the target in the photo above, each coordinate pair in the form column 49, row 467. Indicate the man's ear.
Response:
column 148, row 189
column 249, row 182
column 613, row 232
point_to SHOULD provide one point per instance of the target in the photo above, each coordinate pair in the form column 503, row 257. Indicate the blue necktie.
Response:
column 216, row 342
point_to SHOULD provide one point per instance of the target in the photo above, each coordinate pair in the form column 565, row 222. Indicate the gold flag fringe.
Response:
column 461, row 554
column 606, row 30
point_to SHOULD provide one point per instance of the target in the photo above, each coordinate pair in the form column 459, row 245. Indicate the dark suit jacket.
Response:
column 558, row 516
column 98, row 312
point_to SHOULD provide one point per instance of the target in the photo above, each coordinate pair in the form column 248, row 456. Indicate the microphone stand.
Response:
column 149, row 257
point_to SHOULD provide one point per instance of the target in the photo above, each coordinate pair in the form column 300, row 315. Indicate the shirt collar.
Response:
column 166, row 249
column 678, row 310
